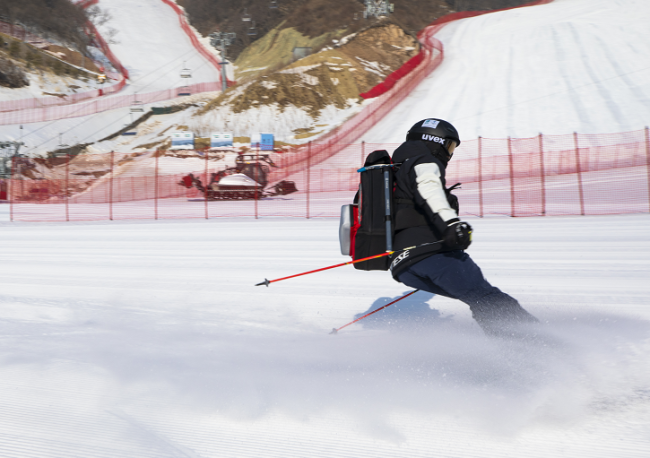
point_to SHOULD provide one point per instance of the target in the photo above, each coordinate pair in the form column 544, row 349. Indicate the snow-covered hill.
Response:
column 153, row 48
column 567, row 66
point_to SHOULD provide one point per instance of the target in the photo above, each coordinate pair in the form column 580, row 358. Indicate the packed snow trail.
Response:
column 567, row 66
column 150, row 339
column 152, row 46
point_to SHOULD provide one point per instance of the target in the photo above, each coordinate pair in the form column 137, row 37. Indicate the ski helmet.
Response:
column 435, row 130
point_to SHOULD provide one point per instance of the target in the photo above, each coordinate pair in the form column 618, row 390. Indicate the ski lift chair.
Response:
column 184, row 91
column 246, row 17
column 273, row 4
column 252, row 30
column 137, row 107
column 186, row 73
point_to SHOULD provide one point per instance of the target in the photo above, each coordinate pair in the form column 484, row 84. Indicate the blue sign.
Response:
column 219, row 139
column 266, row 142
column 262, row 141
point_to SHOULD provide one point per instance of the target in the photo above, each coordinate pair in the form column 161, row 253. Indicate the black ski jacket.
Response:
column 422, row 208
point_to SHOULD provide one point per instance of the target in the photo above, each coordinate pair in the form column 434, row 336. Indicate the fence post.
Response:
column 10, row 189
column 67, row 186
column 110, row 194
column 580, row 191
column 647, row 158
column 542, row 173
column 480, row 179
column 512, row 183
column 256, row 175
column 205, row 180
column 308, row 175
column 155, row 187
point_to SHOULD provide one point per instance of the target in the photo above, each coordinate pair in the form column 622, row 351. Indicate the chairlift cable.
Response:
column 82, row 105
column 90, row 116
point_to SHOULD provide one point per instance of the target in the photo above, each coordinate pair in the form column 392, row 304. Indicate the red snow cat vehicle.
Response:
column 247, row 180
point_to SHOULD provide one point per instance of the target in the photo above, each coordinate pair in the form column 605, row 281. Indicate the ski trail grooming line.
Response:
column 336, row 330
column 388, row 253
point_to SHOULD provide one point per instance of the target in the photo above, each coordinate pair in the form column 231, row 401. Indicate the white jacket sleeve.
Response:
column 431, row 189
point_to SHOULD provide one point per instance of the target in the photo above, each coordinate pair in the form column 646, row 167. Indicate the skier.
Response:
column 426, row 213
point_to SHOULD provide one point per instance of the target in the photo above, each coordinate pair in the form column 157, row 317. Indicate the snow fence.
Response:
column 576, row 174
column 386, row 96
column 37, row 103
column 50, row 109
column 416, row 60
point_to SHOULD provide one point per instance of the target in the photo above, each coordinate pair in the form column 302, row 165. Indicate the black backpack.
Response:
column 366, row 226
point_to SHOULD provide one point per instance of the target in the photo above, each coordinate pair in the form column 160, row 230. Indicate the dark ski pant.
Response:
column 453, row 274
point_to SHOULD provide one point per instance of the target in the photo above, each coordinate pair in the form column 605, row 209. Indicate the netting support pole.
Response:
column 512, row 179
column 155, row 187
column 10, row 189
column 480, row 179
column 308, row 181
column 67, row 187
column 542, row 173
column 205, row 180
column 256, row 175
column 110, row 189
column 580, row 190
column 363, row 153
column 647, row 158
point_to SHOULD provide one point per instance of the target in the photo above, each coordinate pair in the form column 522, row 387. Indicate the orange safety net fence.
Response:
column 575, row 174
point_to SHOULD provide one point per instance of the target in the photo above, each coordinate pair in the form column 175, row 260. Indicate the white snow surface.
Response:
column 567, row 66
column 152, row 46
column 149, row 339
column 154, row 50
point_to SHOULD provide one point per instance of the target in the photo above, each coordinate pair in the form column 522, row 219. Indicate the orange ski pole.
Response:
column 336, row 330
column 388, row 253
column 268, row 282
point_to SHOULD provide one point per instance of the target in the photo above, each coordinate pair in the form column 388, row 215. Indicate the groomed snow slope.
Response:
column 152, row 46
column 149, row 339
column 567, row 66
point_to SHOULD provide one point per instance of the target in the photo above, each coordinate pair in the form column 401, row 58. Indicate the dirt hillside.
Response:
column 334, row 76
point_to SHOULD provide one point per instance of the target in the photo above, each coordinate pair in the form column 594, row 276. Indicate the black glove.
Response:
column 458, row 234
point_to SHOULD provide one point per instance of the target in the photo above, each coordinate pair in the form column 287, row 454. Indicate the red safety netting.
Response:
column 416, row 60
column 50, row 109
column 37, row 103
column 41, row 102
column 575, row 174
column 101, row 104
column 193, row 38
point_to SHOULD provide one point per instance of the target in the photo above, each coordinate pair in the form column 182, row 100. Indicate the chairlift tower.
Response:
column 221, row 40
column 377, row 8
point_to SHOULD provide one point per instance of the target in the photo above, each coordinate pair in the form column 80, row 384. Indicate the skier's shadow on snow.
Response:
column 409, row 313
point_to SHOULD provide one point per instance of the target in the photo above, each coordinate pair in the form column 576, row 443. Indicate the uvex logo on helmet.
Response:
column 433, row 138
